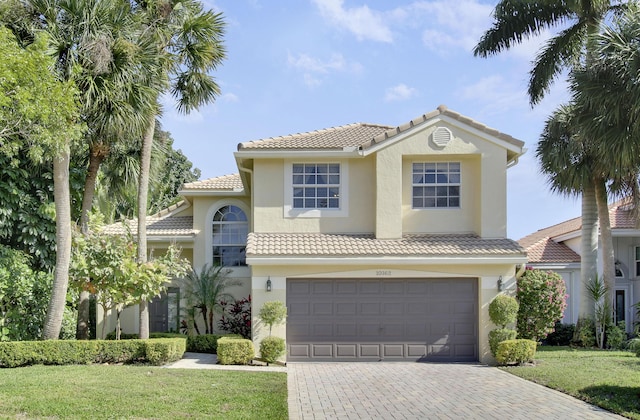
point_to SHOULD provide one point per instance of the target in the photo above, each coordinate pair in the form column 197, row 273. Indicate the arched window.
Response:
column 230, row 229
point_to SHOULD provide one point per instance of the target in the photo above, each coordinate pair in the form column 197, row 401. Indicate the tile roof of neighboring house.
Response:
column 366, row 245
column 542, row 248
column 231, row 182
column 363, row 135
column 156, row 226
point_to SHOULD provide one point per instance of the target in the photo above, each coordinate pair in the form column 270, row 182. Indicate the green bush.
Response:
column 562, row 335
column 66, row 352
column 161, row 351
column 516, row 351
column 503, row 310
column 634, row 345
column 271, row 349
column 207, row 343
column 499, row 335
column 542, row 296
column 235, row 351
column 616, row 336
column 586, row 333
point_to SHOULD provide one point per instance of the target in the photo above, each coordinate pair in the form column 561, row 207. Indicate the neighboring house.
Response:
column 557, row 248
column 385, row 243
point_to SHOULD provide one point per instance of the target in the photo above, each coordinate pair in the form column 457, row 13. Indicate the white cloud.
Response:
column 314, row 67
column 230, row 97
column 363, row 22
column 497, row 94
column 399, row 92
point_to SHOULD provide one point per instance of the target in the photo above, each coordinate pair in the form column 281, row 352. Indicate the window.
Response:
column 316, row 185
column 230, row 230
column 436, row 185
column 638, row 261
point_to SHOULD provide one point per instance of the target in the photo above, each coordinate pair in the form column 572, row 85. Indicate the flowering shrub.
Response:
column 236, row 317
column 542, row 296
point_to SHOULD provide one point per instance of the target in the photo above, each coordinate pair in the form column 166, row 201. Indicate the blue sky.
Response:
column 301, row 65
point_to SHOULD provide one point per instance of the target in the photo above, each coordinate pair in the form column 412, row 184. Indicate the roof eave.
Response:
column 301, row 153
column 387, row 260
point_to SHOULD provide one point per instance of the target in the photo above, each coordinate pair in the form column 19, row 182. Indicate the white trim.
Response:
column 452, row 121
column 290, row 212
column 208, row 237
column 312, row 260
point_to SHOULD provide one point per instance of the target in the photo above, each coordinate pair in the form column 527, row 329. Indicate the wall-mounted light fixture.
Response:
column 269, row 284
column 500, row 284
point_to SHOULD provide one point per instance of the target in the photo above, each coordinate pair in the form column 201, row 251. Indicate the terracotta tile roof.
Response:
column 231, row 182
column 362, row 135
column 542, row 248
column 156, row 226
column 351, row 135
column 549, row 251
column 359, row 245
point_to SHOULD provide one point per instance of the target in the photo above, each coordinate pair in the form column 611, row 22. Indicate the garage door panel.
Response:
column 369, row 287
column 322, row 287
column 371, row 351
column 322, row 308
column 346, row 287
column 382, row 319
column 346, row 308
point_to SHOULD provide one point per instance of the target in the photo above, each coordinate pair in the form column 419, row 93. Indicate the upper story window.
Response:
column 436, row 185
column 316, row 185
column 637, row 261
column 230, row 230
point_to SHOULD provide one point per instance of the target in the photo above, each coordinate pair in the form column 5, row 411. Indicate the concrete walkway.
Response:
column 424, row 391
column 209, row 361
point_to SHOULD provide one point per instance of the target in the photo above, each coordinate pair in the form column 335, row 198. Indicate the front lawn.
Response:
column 609, row 379
column 140, row 392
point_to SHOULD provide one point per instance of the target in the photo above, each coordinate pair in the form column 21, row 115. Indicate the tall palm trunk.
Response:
column 606, row 239
column 589, row 245
column 62, row 198
column 96, row 157
column 143, row 190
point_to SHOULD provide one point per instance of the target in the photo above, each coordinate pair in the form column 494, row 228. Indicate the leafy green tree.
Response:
column 542, row 298
column 39, row 110
column 205, row 290
column 106, row 266
column 188, row 44
column 273, row 313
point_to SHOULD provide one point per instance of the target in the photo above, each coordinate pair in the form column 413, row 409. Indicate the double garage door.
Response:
column 382, row 319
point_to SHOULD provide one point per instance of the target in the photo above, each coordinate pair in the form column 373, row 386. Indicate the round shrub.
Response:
column 503, row 310
column 498, row 336
column 271, row 349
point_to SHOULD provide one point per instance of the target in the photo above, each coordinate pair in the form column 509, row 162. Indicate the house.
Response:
column 385, row 243
column 557, row 248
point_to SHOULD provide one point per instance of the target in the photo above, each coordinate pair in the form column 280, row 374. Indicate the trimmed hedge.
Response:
column 516, row 351
column 68, row 352
column 272, row 348
column 205, row 343
column 235, row 351
column 498, row 335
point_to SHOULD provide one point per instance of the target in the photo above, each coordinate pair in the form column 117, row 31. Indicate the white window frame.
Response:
column 636, row 260
column 242, row 270
column 292, row 212
column 436, row 184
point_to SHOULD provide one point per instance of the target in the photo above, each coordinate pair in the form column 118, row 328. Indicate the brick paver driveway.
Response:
column 424, row 391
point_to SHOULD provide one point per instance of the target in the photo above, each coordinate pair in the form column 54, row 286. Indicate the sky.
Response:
column 301, row 65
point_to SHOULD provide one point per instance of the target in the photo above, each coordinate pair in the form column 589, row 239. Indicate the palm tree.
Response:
column 205, row 290
column 516, row 20
column 188, row 42
column 77, row 37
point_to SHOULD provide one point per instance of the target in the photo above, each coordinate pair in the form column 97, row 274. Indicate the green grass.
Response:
column 140, row 392
column 608, row 379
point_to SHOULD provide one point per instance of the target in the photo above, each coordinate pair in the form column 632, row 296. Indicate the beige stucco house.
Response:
column 385, row 243
column 557, row 248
